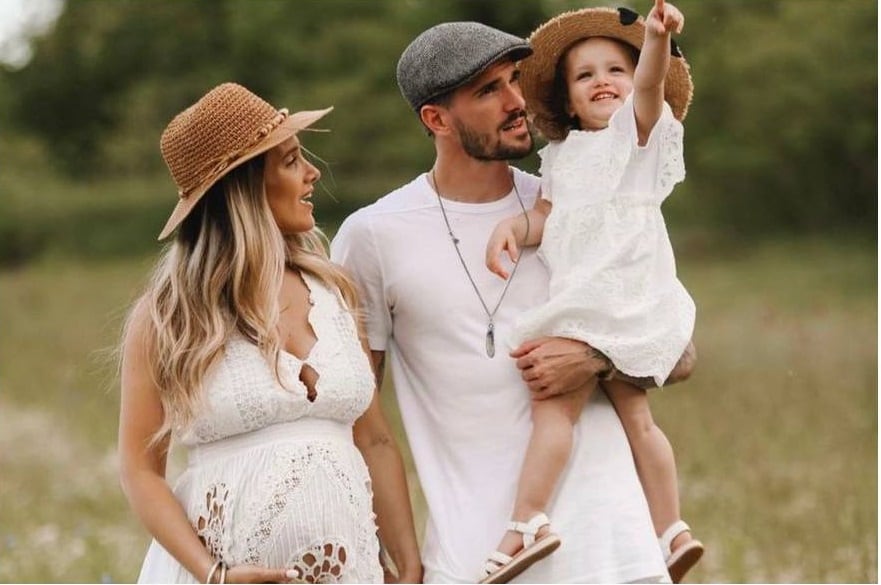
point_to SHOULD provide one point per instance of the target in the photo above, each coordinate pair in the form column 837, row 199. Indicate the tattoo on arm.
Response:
column 610, row 371
column 644, row 383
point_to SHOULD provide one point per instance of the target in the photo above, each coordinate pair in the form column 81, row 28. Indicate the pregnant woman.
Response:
column 245, row 349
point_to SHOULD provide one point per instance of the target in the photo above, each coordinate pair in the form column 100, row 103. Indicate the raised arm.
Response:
column 654, row 61
column 142, row 467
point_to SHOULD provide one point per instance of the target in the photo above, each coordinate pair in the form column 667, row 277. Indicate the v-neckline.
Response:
column 311, row 297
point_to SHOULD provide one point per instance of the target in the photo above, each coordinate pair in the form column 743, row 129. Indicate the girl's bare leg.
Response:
column 546, row 457
column 652, row 453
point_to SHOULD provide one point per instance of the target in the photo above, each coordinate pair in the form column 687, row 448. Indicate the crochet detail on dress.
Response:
column 323, row 562
column 242, row 393
column 209, row 526
column 286, row 477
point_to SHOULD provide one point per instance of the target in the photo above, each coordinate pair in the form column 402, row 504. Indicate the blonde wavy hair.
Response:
column 222, row 274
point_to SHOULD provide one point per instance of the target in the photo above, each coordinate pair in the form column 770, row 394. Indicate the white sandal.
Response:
column 501, row 568
column 680, row 561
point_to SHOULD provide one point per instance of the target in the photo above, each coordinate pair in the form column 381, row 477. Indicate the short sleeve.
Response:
column 663, row 150
column 668, row 136
column 547, row 155
column 354, row 248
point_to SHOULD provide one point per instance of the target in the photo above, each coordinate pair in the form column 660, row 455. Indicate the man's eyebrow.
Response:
column 486, row 86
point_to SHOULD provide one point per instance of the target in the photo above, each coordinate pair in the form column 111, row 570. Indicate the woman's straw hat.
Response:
column 551, row 40
column 228, row 126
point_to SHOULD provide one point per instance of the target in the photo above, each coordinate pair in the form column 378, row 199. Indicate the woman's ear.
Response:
column 435, row 118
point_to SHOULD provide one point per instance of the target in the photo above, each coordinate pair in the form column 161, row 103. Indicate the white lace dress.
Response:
column 613, row 275
column 275, row 479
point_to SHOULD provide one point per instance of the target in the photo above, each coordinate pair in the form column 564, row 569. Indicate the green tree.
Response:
column 782, row 133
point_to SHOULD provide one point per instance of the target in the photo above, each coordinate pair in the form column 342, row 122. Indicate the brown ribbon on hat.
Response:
column 218, row 165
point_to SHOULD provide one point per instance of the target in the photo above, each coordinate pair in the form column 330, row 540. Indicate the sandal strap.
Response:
column 531, row 528
column 495, row 561
column 672, row 532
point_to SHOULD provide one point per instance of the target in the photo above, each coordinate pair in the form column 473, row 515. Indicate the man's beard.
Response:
column 481, row 146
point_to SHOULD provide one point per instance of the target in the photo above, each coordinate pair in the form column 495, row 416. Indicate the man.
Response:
column 417, row 255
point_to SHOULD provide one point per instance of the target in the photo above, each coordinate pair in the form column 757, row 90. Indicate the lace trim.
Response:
column 285, row 481
column 241, row 394
column 671, row 169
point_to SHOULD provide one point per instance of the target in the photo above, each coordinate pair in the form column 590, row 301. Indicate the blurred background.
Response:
column 775, row 230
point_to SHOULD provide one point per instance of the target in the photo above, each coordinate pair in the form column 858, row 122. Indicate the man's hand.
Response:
column 555, row 365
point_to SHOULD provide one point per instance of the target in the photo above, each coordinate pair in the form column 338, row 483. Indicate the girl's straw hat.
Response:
column 228, row 126
column 553, row 38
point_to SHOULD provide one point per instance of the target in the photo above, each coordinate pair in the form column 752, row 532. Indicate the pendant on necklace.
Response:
column 490, row 340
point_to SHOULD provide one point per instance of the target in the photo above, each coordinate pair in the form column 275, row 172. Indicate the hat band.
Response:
column 216, row 166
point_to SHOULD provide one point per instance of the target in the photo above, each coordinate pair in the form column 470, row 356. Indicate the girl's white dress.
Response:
column 613, row 275
column 275, row 479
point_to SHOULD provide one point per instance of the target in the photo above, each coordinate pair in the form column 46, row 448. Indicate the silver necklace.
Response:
column 490, row 315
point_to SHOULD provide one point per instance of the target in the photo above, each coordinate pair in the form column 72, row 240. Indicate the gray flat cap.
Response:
column 451, row 54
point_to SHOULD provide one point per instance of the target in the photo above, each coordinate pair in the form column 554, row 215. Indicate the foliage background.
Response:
column 775, row 230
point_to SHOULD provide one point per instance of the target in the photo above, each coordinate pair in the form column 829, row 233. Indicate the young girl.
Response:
column 597, row 85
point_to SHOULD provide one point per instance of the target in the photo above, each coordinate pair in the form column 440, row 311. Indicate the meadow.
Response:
column 775, row 434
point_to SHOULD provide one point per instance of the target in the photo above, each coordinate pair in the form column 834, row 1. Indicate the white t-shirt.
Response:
column 467, row 416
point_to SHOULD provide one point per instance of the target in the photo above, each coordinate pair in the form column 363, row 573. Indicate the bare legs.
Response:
column 652, row 453
column 546, row 457
column 548, row 453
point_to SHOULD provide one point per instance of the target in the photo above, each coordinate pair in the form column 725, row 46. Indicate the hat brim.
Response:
column 289, row 127
column 550, row 40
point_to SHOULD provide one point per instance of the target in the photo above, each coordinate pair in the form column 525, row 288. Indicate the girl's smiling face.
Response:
column 599, row 76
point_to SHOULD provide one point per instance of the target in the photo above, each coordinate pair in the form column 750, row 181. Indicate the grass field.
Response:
column 775, row 435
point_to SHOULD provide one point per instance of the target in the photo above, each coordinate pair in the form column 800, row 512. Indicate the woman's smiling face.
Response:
column 289, row 180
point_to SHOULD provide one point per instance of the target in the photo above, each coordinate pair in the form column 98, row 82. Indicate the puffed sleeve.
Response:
column 668, row 134
column 661, row 158
column 354, row 248
column 547, row 156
